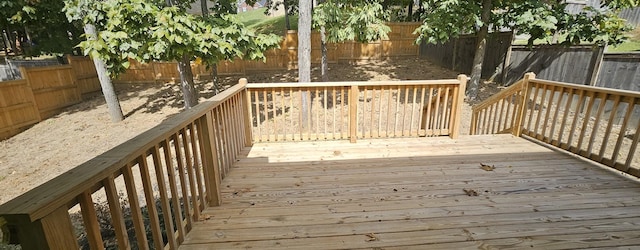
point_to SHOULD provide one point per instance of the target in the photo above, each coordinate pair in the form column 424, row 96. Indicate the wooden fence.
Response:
column 401, row 42
column 596, row 123
column 18, row 108
column 173, row 171
column 456, row 54
column 42, row 93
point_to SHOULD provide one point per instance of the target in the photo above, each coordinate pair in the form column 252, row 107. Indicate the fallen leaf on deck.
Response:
column 371, row 237
column 470, row 192
column 486, row 167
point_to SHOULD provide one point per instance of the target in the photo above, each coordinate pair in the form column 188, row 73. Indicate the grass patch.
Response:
column 261, row 23
column 631, row 45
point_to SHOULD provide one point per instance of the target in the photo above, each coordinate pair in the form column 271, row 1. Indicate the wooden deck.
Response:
column 410, row 193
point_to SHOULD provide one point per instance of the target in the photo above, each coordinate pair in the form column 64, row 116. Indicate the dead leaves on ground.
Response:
column 470, row 192
column 486, row 167
column 371, row 237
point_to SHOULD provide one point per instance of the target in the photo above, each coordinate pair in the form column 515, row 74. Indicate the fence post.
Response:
column 246, row 113
column 458, row 99
column 53, row 231
column 354, row 95
column 522, row 105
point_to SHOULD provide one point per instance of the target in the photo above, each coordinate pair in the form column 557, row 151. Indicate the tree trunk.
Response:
column 324, row 68
column 287, row 24
column 189, row 92
column 214, row 77
column 478, row 59
column 115, row 111
column 12, row 41
column 203, row 6
column 304, row 53
column 410, row 11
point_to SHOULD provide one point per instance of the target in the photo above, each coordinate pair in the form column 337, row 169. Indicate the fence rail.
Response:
column 597, row 123
column 152, row 188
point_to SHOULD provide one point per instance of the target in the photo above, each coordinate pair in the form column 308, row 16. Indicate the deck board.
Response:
column 408, row 194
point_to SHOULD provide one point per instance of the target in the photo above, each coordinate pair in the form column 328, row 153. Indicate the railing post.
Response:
column 354, row 95
column 210, row 160
column 522, row 107
column 458, row 99
column 246, row 100
column 53, row 231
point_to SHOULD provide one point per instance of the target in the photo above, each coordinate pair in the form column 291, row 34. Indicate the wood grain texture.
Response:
column 408, row 194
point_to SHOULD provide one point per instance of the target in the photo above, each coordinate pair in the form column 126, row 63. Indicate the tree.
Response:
column 78, row 10
column 341, row 21
column 446, row 19
column 141, row 30
column 41, row 26
column 304, row 51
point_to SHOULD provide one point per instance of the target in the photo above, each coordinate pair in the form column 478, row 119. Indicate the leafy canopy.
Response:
column 360, row 21
column 43, row 22
column 141, row 30
column 444, row 19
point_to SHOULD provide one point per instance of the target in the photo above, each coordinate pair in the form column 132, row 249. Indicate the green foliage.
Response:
column 445, row 19
column 43, row 22
column 351, row 20
column 142, row 30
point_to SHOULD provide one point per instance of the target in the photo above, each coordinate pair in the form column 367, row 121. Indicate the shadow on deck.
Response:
column 419, row 193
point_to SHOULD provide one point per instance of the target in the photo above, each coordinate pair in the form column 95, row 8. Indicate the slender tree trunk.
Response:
column 12, row 41
column 324, row 68
column 410, row 11
column 304, row 53
column 287, row 24
column 189, row 92
column 214, row 77
column 203, row 6
column 115, row 111
column 478, row 59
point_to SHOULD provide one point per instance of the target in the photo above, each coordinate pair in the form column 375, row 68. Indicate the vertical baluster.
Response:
column 191, row 176
column 184, row 185
column 607, row 133
column 151, row 203
column 552, row 93
column 134, row 205
column 164, row 200
column 90, row 220
column 335, row 106
column 373, row 110
column 115, row 210
column 594, row 133
column 258, row 112
column 565, row 115
column 177, row 210
column 623, row 129
column 576, row 115
column 325, row 100
column 540, row 111
column 555, row 114
column 585, row 121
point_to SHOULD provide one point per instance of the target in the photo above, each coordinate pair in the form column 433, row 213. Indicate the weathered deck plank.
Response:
column 407, row 194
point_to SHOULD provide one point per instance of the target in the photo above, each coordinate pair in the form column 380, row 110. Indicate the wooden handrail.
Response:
column 597, row 123
column 194, row 133
column 175, row 169
column 353, row 110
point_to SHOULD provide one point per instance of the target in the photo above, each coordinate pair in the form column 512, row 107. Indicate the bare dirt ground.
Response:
column 84, row 131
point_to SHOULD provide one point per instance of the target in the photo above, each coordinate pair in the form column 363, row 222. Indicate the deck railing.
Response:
column 352, row 110
column 159, row 181
column 151, row 189
column 597, row 123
